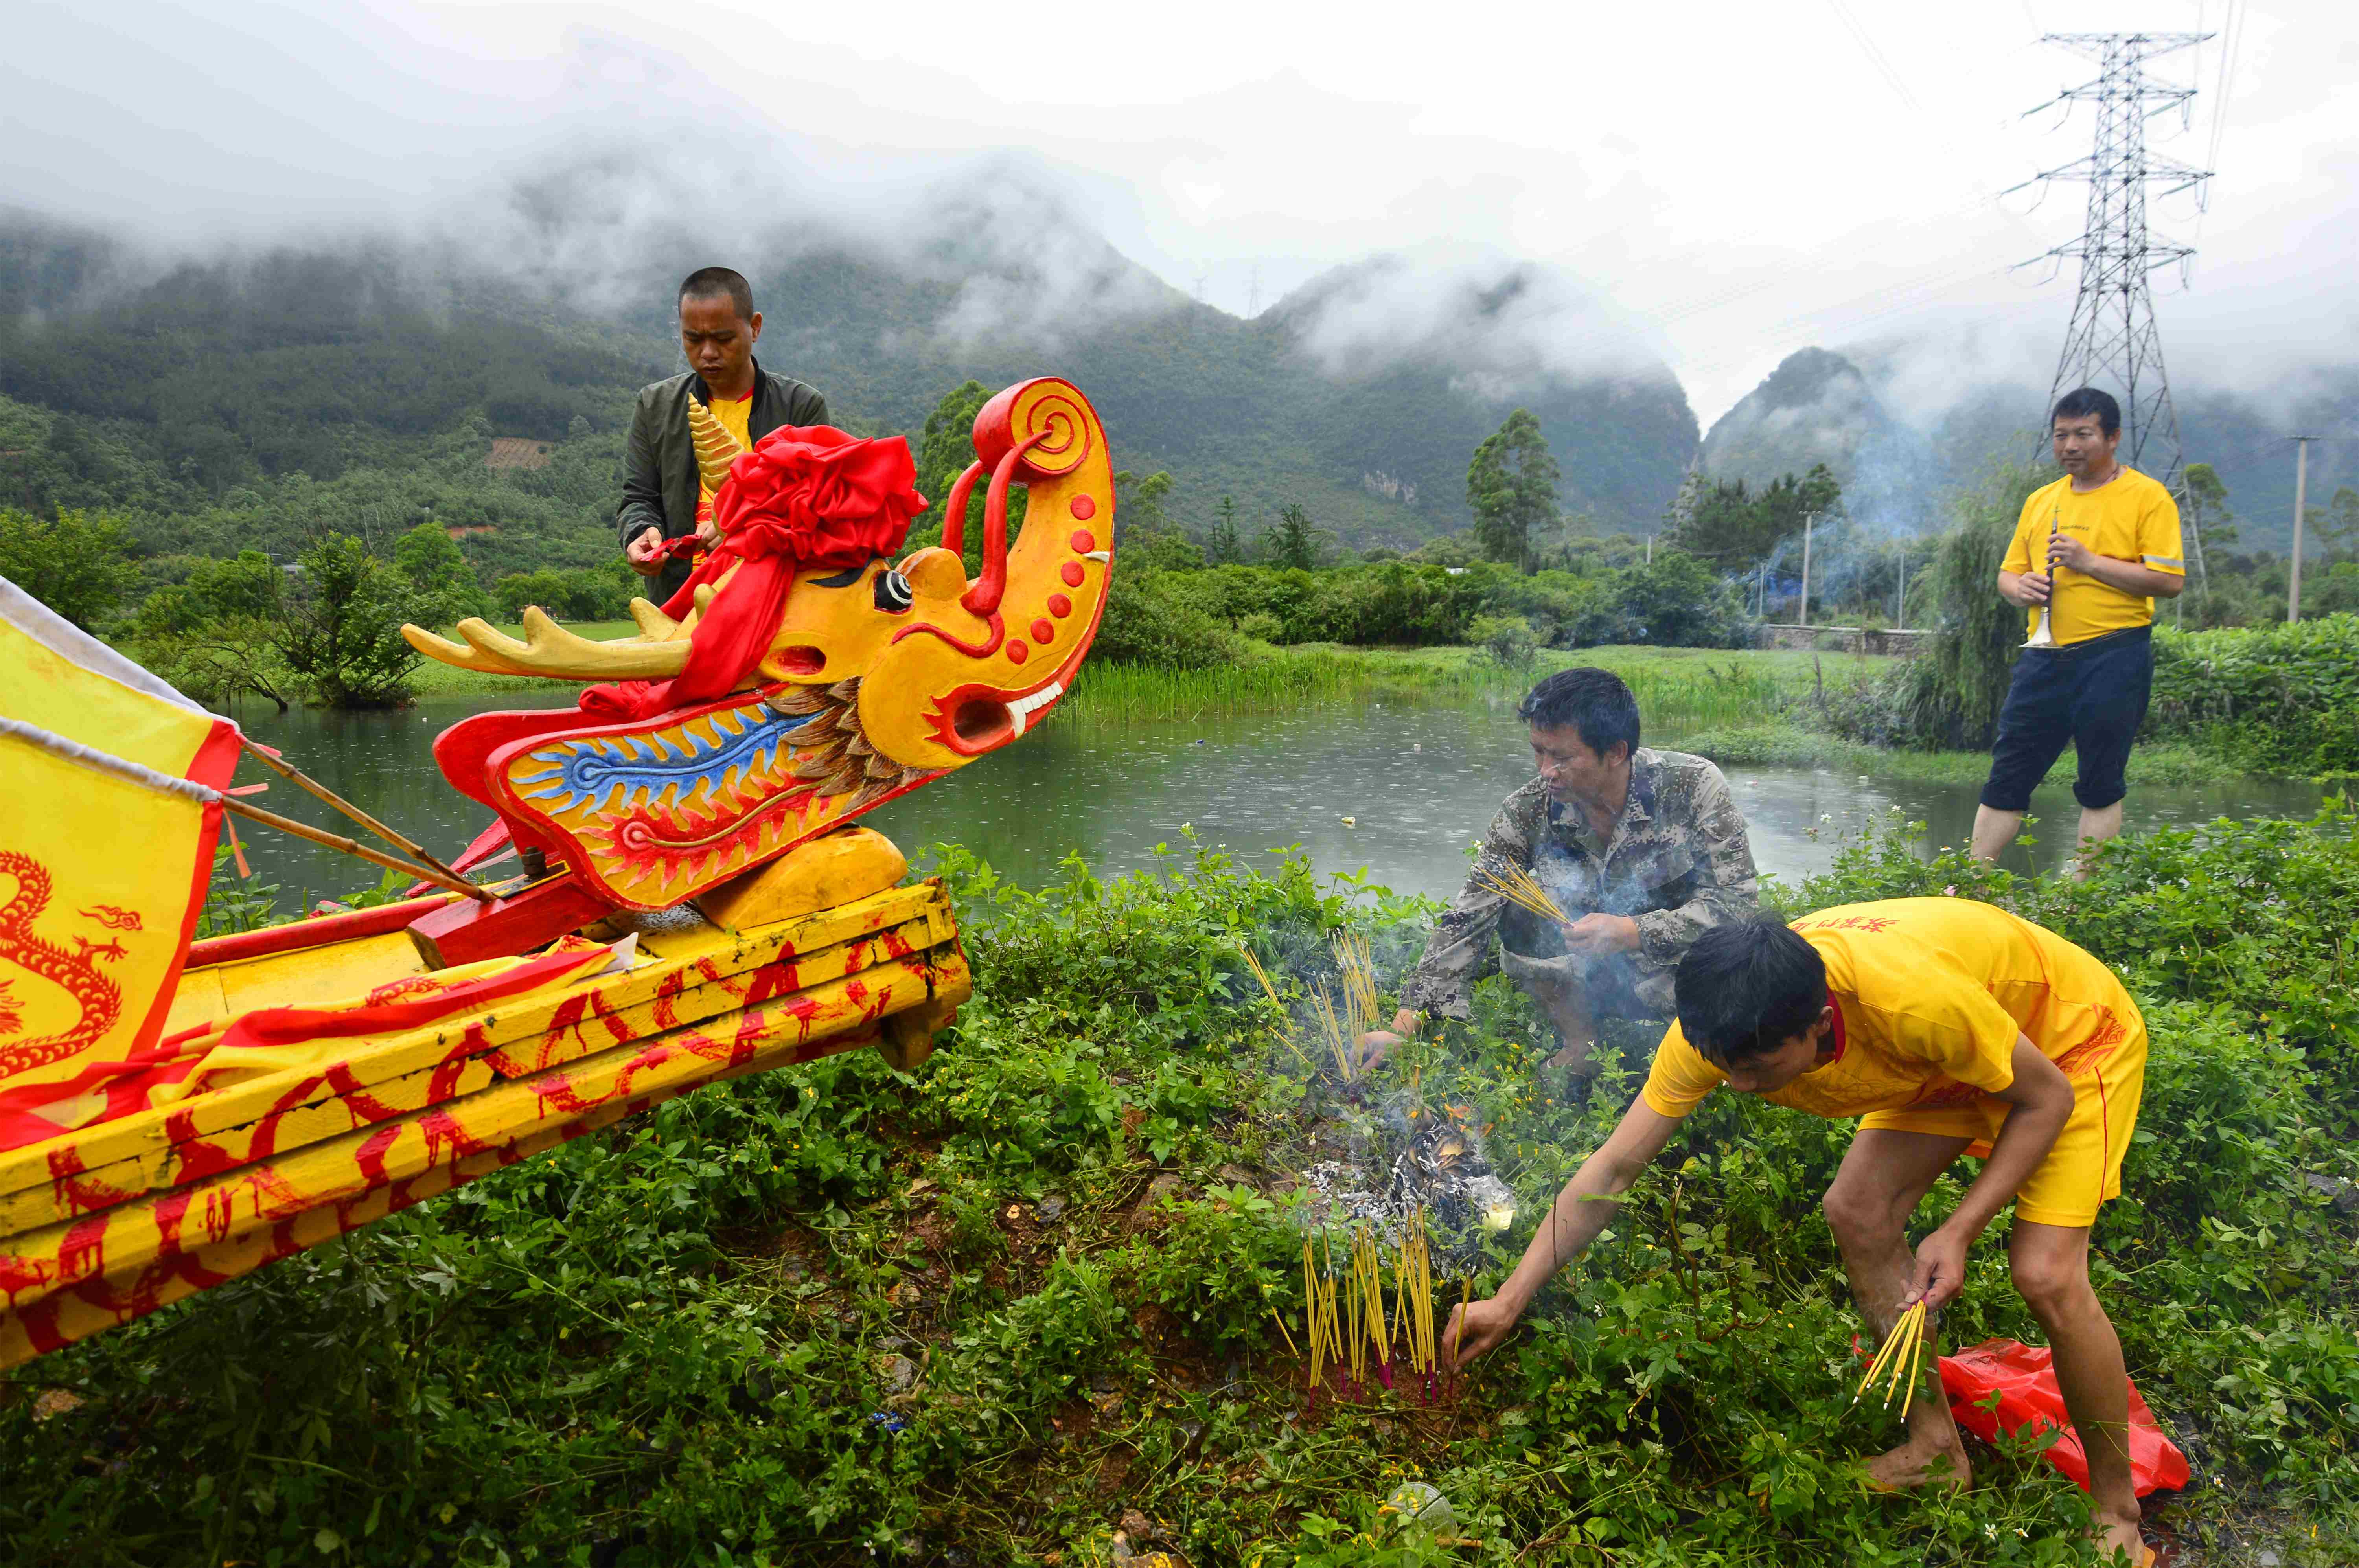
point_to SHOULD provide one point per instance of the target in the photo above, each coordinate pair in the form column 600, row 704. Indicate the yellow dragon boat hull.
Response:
column 107, row 1222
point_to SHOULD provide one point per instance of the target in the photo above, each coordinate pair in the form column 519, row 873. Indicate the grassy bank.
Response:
column 1783, row 744
column 1674, row 687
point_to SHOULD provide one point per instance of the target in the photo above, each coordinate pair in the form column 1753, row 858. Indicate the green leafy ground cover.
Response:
column 974, row 1314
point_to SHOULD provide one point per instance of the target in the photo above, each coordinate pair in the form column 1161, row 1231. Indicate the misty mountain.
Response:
column 1816, row 407
column 1821, row 407
column 1361, row 396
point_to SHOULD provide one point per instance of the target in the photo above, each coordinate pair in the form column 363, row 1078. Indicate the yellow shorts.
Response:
column 2084, row 1168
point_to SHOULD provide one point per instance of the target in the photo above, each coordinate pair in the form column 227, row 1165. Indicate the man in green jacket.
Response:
column 663, row 499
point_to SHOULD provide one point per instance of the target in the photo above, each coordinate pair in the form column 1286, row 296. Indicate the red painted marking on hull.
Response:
column 21, row 1273
column 84, row 1251
column 370, row 1156
column 169, row 1212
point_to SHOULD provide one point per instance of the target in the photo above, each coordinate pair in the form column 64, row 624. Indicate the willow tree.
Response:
column 1511, row 489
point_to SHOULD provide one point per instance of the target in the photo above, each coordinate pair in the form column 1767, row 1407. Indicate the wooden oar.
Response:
column 302, row 780
column 336, row 841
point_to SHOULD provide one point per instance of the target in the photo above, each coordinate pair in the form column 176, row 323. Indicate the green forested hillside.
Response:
column 246, row 400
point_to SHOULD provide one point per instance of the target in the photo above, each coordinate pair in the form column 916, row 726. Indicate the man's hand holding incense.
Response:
column 1476, row 1328
column 1939, row 1273
column 1602, row 936
column 1378, row 1043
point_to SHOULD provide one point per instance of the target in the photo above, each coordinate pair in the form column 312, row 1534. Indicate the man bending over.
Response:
column 1641, row 848
column 1948, row 1027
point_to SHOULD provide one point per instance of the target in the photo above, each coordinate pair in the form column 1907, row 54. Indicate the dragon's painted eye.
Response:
column 893, row 595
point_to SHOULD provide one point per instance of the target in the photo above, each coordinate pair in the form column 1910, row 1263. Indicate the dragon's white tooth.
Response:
column 1099, row 555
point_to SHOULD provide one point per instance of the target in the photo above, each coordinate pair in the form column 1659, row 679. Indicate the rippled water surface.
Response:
column 1418, row 782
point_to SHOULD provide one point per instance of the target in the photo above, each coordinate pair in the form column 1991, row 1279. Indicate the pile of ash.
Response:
column 1398, row 1162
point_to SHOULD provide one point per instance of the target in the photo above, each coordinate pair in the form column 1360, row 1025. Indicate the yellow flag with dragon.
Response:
column 103, row 862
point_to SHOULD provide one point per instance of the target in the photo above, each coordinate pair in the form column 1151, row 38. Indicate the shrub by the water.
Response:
column 1146, row 623
column 2282, row 698
column 1673, row 601
column 1950, row 694
column 339, row 627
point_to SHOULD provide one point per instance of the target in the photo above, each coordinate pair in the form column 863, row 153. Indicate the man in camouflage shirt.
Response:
column 1643, row 848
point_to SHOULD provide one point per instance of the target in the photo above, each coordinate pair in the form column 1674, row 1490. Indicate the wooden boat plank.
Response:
column 330, row 1107
column 137, row 1240
column 777, row 947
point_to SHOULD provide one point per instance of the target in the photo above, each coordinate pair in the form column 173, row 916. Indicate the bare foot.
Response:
column 2120, row 1536
column 1918, row 1461
column 1571, row 1056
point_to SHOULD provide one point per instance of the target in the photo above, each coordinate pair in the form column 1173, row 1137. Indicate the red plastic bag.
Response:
column 2025, row 1381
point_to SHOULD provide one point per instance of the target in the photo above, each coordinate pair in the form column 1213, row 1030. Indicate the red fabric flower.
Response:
column 805, row 496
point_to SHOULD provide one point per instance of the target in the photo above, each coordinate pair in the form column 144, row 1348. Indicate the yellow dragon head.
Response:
column 877, row 679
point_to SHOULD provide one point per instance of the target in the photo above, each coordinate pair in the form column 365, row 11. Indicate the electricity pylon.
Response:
column 2113, row 337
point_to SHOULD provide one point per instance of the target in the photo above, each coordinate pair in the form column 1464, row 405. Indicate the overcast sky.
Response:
column 1742, row 179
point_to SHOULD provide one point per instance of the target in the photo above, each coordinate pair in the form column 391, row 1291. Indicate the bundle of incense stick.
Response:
column 1348, row 1323
column 1269, row 990
column 1358, row 974
column 1902, row 1354
column 1519, row 887
column 1336, row 1030
column 1340, row 1022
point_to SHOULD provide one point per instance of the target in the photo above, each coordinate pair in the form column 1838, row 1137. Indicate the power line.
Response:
column 2232, row 39
column 2112, row 335
column 1875, row 55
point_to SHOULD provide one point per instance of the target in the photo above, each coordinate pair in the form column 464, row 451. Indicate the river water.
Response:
column 1396, row 789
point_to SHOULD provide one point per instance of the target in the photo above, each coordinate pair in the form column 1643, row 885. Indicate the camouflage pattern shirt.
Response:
column 1679, row 863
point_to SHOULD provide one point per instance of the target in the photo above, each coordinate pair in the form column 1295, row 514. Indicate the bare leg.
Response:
column 2052, row 1274
column 1557, row 984
column 1994, row 831
column 1573, row 1020
column 1886, row 1173
column 2096, row 828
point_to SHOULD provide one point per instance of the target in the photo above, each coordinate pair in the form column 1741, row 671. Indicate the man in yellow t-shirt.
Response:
column 1948, row 1027
column 2091, row 552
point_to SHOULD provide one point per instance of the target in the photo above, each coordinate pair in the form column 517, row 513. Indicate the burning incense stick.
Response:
column 1269, row 990
column 1519, row 887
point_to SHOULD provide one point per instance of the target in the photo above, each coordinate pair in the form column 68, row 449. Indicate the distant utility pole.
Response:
column 2300, row 504
column 2112, row 335
column 1900, row 593
column 1808, row 518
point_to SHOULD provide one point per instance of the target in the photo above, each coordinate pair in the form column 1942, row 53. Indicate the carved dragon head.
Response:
column 877, row 678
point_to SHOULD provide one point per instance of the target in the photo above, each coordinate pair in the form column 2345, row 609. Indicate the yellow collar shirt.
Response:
column 2128, row 518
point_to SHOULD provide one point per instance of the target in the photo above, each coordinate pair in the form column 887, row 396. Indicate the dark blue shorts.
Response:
column 2090, row 694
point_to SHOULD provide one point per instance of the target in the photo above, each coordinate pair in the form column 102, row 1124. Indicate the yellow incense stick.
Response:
column 1905, row 1364
column 1519, row 887
column 1281, row 1328
column 1891, row 1344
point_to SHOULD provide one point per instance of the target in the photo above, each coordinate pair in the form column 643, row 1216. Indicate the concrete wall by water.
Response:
column 1840, row 639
